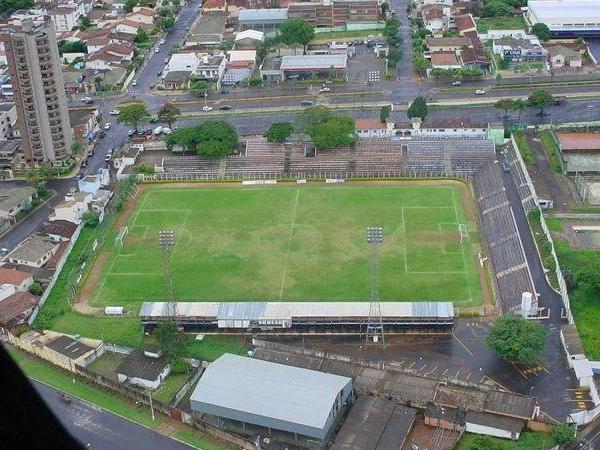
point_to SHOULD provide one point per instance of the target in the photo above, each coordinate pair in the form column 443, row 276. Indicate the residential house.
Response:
column 91, row 183
column 374, row 128
column 72, row 208
column 141, row 15
column 20, row 279
column 449, row 44
column 96, row 44
column 239, row 66
column 435, row 18
column 211, row 67
column 514, row 50
column 109, row 56
column 6, row 290
column 66, row 351
column 445, row 60
column 8, row 120
column 16, row 309
column 560, row 56
column 146, row 368
column 35, row 251
column 465, row 24
column 100, row 200
column 126, row 39
column 84, row 123
column 59, row 230
column 177, row 79
column 127, row 26
column 13, row 201
column 248, row 40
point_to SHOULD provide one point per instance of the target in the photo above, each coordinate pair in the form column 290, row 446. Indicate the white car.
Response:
column 207, row 108
column 107, row 157
column 107, row 126
column 167, row 130
column 156, row 50
column 130, row 133
column 479, row 92
column 325, row 89
column 114, row 112
column 162, row 41
column 166, row 60
column 134, row 83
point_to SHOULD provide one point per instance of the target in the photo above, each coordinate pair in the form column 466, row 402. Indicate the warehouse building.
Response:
column 310, row 317
column 248, row 391
column 580, row 152
column 566, row 18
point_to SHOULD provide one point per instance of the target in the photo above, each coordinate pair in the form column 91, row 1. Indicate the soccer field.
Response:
column 295, row 244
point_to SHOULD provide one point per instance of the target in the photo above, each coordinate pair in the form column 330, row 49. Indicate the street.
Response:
column 101, row 429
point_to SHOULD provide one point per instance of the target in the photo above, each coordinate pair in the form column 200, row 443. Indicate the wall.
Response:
column 480, row 429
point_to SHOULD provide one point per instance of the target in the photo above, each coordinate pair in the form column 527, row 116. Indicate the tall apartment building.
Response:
column 39, row 95
column 335, row 13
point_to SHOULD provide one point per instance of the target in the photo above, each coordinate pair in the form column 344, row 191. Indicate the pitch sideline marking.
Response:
column 405, row 242
column 289, row 246
column 462, row 247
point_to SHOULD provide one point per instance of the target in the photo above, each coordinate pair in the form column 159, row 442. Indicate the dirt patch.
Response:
column 81, row 303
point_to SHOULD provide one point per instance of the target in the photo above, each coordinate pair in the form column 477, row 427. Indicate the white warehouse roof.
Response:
column 313, row 62
column 558, row 13
column 268, row 393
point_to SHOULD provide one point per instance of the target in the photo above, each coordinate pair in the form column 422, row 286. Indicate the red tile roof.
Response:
column 444, row 59
column 370, row 124
column 12, row 276
column 464, row 23
column 579, row 141
column 14, row 306
column 433, row 13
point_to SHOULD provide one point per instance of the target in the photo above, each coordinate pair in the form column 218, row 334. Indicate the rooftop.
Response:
column 565, row 11
column 465, row 22
column 572, row 340
column 579, row 141
column 80, row 116
column 370, row 124
column 270, row 390
column 447, row 42
column 250, row 34
column 375, row 423
column 12, row 276
column 71, row 348
column 137, row 365
column 444, row 59
column 15, row 305
column 11, row 197
column 263, row 15
column 568, row 53
column 494, row 421
column 62, row 228
column 32, row 249
column 311, row 62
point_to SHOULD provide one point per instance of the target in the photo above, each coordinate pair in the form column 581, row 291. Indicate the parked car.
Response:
column 107, row 125
column 134, row 83
column 456, row 83
column 114, row 112
column 90, row 153
column 130, row 132
column 306, row 103
column 101, row 134
column 64, row 398
column 162, row 41
column 479, row 92
column 108, row 157
column 156, row 50
column 225, row 108
column 207, row 108
column 560, row 100
column 157, row 131
column 325, row 89
column 167, row 130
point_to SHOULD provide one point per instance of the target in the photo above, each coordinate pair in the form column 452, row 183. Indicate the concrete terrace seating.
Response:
column 520, row 180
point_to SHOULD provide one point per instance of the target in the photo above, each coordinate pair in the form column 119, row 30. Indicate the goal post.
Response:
column 464, row 232
column 121, row 235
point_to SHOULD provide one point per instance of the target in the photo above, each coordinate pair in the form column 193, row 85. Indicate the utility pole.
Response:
column 166, row 242
column 375, row 322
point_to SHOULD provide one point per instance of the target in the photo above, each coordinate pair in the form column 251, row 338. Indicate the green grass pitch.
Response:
column 295, row 244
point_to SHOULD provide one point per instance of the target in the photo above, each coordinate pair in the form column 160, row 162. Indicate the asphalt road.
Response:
column 101, row 429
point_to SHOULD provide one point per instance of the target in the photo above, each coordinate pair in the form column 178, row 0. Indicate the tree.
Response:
column 84, row 23
column 296, row 32
column 540, row 99
column 133, row 114
column 36, row 288
column 91, row 219
column 516, row 339
column 12, row 5
column 384, row 113
column 418, row 108
column 32, row 177
column 504, row 104
column 519, row 105
column 167, row 23
column 71, row 47
column 213, row 149
column 212, row 138
column 587, row 277
column 46, row 171
column 168, row 113
column 496, row 8
column 541, row 30
column 394, row 56
column 169, row 339
column 564, row 434
column 41, row 189
column 483, row 443
column 141, row 36
column 199, row 88
column 76, row 147
column 420, row 62
column 129, row 4
column 337, row 131
column 279, row 132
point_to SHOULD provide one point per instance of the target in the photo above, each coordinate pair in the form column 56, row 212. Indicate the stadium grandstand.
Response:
column 527, row 197
column 508, row 263
column 301, row 317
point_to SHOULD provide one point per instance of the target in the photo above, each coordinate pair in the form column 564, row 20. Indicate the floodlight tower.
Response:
column 166, row 242
column 375, row 322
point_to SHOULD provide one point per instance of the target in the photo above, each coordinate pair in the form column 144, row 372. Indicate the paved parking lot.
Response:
column 364, row 62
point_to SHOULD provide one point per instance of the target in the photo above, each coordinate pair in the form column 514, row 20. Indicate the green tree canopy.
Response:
column 516, row 339
column 496, row 8
column 91, row 219
column 167, row 23
column 384, row 113
column 279, row 132
column 296, row 32
column 13, row 5
column 169, row 339
column 418, row 108
column 129, row 4
column 541, row 30
column 71, row 47
column 199, row 88
column 141, row 36
column 36, row 288
column 540, row 99
column 564, row 433
column 504, row 104
column 337, row 131
column 168, row 113
column 212, row 138
column 133, row 114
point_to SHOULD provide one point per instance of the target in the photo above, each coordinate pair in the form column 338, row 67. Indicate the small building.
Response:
column 176, row 79
column 493, row 425
column 21, row 280
column 445, row 60
column 74, row 206
column 449, row 44
column 59, row 230
column 248, row 40
column 560, row 56
column 580, row 152
column 465, row 24
column 517, row 50
column 35, row 251
column 16, row 309
column 264, row 20
column 271, row 396
column 69, row 351
column 91, row 183
column 307, row 66
column 13, row 201
column 84, row 123
column 375, row 423
column 435, row 18
column 211, row 67
column 144, row 367
column 444, row 417
column 374, row 128
column 568, row 18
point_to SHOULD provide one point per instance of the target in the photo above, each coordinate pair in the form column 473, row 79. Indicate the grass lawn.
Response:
column 211, row 347
column 294, row 244
column 195, row 440
column 485, row 24
column 551, row 150
column 170, row 387
column 107, row 364
column 529, row 440
column 329, row 35
column 116, row 330
column 523, row 147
